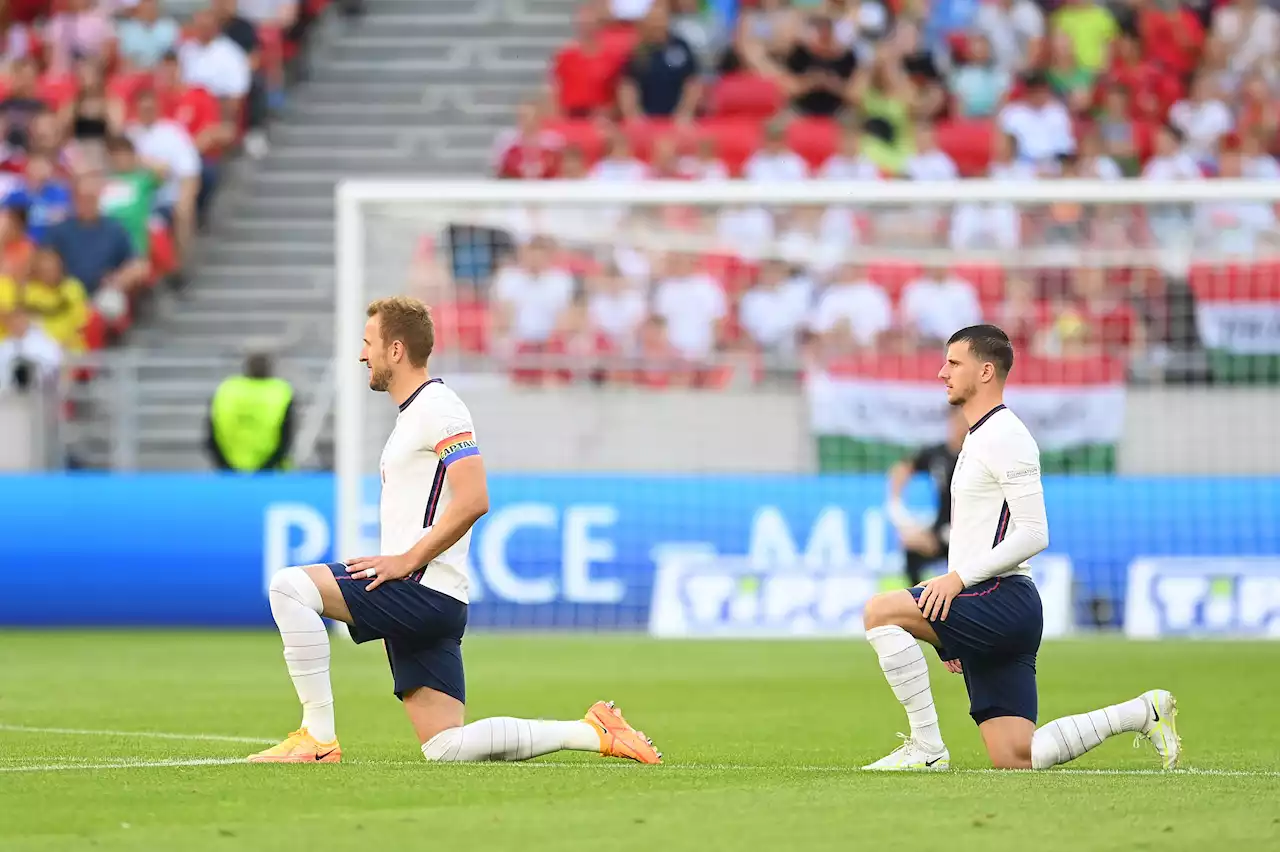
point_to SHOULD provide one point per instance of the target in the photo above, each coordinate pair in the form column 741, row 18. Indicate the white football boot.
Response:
column 1161, row 729
column 911, row 756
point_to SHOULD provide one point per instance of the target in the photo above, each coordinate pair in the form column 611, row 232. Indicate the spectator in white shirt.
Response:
column 1203, row 120
column 618, row 163
column 704, row 163
column 1256, row 162
column 694, row 307
column 1234, row 227
column 1038, row 122
column 1249, row 31
column 616, row 307
column 146, row 36
column 773, row 312
column 848, row 163
column 993, row 226
column 167, row 145
column 929, row 162
column 853, row 312
column 938, row 303
column 214, row 62
column 817, row 238
column 1015, row 29
column 29, row 357
column 530, row 295
column 1168, row 222
column 774, row 161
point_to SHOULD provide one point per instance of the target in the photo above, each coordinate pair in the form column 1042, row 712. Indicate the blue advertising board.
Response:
column 558, row 552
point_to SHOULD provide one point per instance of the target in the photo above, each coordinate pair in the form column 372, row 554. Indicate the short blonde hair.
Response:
column 407, row 320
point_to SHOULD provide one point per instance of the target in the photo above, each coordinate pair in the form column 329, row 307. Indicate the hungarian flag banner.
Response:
column 869, row 412
column 1238, row 318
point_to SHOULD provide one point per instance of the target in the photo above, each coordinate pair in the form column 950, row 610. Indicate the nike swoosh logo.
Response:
column 1155, row 711
column 326, row 754
column 932, row 762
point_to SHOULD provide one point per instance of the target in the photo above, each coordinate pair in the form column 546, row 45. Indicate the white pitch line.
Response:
column 140, row 764
column 152, row 735
column 736, row 767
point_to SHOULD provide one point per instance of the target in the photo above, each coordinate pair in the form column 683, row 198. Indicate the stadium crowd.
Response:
column 924, row 90
column 116, row 120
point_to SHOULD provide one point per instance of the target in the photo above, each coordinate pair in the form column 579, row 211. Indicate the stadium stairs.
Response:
column 414, row 88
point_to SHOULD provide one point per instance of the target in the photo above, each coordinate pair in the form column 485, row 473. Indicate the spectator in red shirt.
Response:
column 1152, row 89
column 584, row 72
column 527, row 152
column 205, row 119
column 1171, row 35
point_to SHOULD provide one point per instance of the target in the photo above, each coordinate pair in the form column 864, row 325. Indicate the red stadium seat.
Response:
column 814, row 139
column 968, row 142
column 987, row 279
column 745, row 96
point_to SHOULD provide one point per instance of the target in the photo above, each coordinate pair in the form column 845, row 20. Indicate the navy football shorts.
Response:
column 422, row 627
column 994, row 630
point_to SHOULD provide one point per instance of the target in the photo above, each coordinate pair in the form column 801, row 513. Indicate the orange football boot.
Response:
column 299, row 747
column 617, row 737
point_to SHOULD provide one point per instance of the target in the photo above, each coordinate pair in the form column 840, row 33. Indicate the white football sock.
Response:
column 504, row 738
column 296, row 607
column 1065, row 739
column 904, row 666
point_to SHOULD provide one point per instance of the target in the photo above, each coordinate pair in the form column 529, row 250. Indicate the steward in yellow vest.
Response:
column 250, row 425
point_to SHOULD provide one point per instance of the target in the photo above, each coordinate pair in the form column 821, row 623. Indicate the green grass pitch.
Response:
column 762, row 741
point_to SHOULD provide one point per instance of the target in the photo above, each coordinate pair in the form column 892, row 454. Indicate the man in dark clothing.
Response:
column 922, row 546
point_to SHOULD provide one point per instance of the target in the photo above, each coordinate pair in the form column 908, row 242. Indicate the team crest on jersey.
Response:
column 457, row 447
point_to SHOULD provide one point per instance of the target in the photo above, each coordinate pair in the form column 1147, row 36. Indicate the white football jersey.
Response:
column 432, row 431
column 999, row 461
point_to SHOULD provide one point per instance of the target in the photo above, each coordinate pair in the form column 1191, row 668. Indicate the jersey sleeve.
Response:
column 450, row 434
column 1016, row 466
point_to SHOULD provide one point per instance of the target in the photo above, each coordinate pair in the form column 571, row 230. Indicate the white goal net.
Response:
column 759, row 347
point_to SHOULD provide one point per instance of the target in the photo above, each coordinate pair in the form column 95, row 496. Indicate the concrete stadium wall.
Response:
column 1168, row 431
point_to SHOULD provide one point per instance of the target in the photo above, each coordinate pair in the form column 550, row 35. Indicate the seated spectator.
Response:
column 46, row 197
column 929, row 162
column 164, row 148
column 256, row 99
column 693, row 306
column 129, row 192
column 1115, row 130
column 527, row 152
column 213, row 62
column 96, row 250
column 584, row 72
column 920, row 62
column 852, row 313
column 57, row 303
column 936, row 304
column 884, row 96
column 578, row 351
column 817, row 238
column 774, row 161
column 1168, row 223
column 1020, row 315
column 619, row 164
column 16, row 247
column 91, row 116
column 979, row 84
column 1172, row 37
column 529, row 295
column 664, row 159
column 573, row 164
column 616, row 306
column 774, row 310
column 29, row 358
column 704, row 163
column 1255, row 161
column 1089, row 28
column 22, row 103
column 1039, row 124
column 1150, row 88
column 763, row 37
column 661, row 79
column 993, row 226
column 146, row 36
column 847, row 162
column 817, row 71
column 1015, row 29
column 1249, row 32
column 1235, row 228
column 1093, row 162
column 1257, row 110
column 1203, row 120
column 1069, row 81
column 212, row 128
column 1113, row 327
column 82, row 29
column 658, row 363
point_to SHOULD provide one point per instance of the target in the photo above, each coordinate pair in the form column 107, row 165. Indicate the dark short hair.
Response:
column 988, row 343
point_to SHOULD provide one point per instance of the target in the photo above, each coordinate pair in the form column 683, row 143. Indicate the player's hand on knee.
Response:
column 379, row 569
column 953, row 666
column 935, row 600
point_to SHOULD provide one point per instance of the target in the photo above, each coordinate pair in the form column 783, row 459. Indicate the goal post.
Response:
column 1188, row 232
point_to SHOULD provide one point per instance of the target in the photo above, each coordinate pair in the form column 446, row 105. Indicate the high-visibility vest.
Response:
column 247, row 418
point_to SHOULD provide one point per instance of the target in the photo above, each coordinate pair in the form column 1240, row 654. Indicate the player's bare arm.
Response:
column 469, row 504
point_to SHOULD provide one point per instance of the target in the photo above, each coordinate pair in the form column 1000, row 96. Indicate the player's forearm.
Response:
column 1029, row 535
column 458, row 517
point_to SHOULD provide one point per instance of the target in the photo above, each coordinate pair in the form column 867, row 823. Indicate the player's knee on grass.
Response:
column 1008, row 741
column 431, row 713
